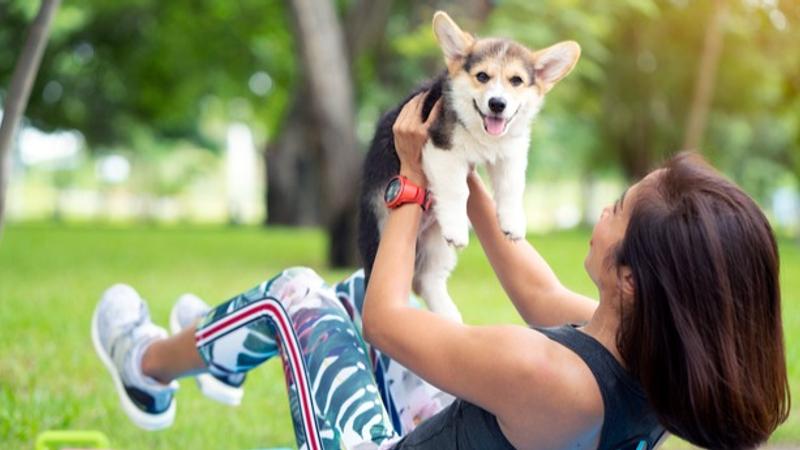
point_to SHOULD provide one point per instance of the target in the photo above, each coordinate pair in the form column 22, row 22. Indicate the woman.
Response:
column 686, row 337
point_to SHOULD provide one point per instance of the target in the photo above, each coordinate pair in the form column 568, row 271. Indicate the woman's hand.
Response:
column 474, row 181
column 410, row 135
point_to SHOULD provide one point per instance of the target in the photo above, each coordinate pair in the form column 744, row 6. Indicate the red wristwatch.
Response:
column 401, row 190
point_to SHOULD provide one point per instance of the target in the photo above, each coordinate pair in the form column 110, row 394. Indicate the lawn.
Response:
column 51, row 277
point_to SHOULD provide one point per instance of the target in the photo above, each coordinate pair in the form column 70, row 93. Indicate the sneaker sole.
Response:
column 147, row 421
column 210, row 387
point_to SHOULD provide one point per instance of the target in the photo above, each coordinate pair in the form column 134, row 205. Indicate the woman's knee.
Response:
column 293, row 284
column 304, row 276
column 301, row 271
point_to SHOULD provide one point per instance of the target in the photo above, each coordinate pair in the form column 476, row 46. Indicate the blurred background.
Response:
column 208, row 111
column 193, row 126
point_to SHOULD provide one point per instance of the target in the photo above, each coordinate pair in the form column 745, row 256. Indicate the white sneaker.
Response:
column 121, row 332
column 224, row 388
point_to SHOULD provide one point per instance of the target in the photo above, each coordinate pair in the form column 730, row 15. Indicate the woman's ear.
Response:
column 627, row 286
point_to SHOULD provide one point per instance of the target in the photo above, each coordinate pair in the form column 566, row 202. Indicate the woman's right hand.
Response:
column 411, row 134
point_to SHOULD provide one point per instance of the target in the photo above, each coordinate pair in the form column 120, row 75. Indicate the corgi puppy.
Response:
column 491, row 91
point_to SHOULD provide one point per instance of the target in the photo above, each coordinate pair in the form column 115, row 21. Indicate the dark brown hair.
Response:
column 704, row 334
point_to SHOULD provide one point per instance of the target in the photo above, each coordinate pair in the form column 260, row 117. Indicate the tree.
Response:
column 293, row 195
column 706, row 71
column 330, row 93
column 20, row 89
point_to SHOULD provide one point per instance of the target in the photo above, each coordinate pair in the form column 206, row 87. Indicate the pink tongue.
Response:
column 494, row 125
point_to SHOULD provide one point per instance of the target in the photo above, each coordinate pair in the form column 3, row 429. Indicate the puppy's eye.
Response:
column 483, row 77
column 515, row 80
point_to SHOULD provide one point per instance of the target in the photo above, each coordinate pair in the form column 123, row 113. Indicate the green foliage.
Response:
column 111, row 67
column 626, row 104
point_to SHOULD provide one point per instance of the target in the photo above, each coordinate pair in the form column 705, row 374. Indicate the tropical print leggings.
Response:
column 342, row 393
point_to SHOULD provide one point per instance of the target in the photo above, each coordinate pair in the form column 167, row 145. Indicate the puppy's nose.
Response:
column 497, row 104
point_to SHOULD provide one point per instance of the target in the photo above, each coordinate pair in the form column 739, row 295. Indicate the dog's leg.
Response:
column 435, row 261
column 508, row 181
column 447, row 171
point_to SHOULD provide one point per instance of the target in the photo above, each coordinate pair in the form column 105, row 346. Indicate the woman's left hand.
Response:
column 410, row 136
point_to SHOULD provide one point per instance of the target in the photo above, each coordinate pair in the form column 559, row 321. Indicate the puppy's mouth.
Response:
column 493, row 124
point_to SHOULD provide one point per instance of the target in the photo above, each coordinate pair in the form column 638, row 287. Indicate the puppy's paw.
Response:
column 513, row 224
column 456, row 236
column 448, row 310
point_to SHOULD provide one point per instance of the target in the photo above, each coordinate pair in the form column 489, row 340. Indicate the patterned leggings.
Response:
column 342, row 393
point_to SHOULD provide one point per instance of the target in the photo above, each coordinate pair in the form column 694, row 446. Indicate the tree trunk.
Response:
column 365, row 25
column 706, row 72
column 293, row 158
column 20, row 89
column 628, row 124
column 323, row 55
column 475, row 12
column 293, row 170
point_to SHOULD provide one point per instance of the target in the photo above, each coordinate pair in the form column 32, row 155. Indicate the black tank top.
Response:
column 629, row 422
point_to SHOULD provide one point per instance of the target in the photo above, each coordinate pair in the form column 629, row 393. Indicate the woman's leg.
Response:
column 244, row 342
column 333, row 397
column 173, row 357
column 408, row 398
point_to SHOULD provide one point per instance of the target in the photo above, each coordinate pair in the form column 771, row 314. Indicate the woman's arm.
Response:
column 503, row 369
column 528, row 280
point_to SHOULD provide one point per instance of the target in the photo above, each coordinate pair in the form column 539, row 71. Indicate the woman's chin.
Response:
column 587, row 267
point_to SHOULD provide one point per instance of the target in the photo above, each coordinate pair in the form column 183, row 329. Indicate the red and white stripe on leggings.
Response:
column 272, row 309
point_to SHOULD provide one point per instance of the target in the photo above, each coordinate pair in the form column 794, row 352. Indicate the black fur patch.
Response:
column 441, row 132
column 382, row 163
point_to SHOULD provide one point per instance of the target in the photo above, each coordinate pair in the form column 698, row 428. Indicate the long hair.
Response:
column 703, row 334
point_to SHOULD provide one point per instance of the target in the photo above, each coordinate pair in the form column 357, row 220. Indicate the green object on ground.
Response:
column 56, row 439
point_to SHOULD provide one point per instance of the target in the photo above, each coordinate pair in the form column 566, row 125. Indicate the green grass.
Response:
column 51, row 277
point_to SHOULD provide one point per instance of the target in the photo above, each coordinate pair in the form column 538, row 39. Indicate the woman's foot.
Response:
column 121, row 332
column 223, row 387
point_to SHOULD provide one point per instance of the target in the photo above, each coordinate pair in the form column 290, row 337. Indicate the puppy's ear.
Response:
column 555, row 62
column 454, row 42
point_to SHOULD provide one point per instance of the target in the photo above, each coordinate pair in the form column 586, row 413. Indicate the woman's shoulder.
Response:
column 551, row 372
column 556, row 395
column 626, row 414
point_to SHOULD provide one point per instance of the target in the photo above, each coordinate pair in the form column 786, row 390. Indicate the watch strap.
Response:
column 410, row 193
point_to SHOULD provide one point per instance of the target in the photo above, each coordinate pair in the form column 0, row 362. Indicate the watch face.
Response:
column 392, row 190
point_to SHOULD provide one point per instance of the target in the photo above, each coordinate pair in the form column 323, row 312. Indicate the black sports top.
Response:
column 629, row 422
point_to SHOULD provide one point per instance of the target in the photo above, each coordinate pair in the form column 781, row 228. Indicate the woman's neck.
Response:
column 603, row 326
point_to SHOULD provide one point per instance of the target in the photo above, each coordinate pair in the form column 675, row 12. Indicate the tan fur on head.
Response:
column 502, row 59
column 546, row 66
column 455, row 43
